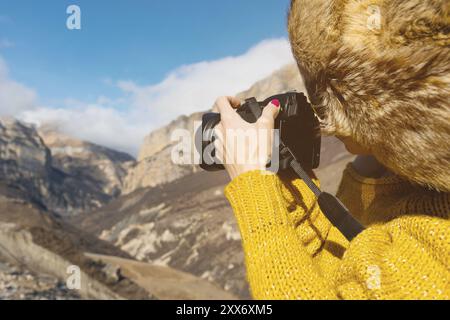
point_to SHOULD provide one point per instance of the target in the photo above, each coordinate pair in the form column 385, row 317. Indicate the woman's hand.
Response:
column 240, row 145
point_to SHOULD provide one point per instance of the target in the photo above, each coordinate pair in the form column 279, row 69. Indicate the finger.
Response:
column 225, row 108
column 235, row 102
column 270, row 113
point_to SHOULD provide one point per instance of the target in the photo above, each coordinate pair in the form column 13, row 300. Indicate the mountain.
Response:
column 35, row 197
column 68, row 178
column 102, row 168
column 154, row 165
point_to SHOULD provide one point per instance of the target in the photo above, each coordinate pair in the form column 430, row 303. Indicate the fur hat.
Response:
column 378, row 71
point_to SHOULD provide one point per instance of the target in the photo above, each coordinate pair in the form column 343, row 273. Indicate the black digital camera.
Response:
column 298, row 126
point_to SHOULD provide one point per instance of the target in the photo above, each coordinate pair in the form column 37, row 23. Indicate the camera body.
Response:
column 298, row 125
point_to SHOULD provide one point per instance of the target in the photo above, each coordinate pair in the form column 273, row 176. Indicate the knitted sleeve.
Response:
column 292, row 251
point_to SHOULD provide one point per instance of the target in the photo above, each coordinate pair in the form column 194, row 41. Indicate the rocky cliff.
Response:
column 286, row 79
column 103, row 168
column 68, row 178
column 154, row 165
column 25, row 161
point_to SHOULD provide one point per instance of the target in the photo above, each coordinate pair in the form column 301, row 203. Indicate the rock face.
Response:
column 159, row 139
column 103, row 168
column 286, row 79
column 77, row 177
column 25, row 161
column 157, row 168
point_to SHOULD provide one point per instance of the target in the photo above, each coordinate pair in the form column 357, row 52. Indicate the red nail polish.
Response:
column 276, row 103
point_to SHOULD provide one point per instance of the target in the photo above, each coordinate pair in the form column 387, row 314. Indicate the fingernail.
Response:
column 276, row 103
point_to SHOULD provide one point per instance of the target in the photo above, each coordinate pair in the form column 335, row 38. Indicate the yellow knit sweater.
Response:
column 293, row 252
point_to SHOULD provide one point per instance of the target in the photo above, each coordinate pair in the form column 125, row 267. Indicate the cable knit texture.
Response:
column 293, row 252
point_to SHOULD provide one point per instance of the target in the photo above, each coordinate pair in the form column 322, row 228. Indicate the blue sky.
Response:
column 127, row 48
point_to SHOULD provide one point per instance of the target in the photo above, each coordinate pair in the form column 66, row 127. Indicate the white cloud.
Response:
column 96, row 123
column 185, row 90
column 194, row 87
column 14, row 97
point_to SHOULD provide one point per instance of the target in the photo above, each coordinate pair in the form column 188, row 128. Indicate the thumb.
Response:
column 270, row 113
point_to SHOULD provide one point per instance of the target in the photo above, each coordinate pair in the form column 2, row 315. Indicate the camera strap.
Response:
column 331, row 206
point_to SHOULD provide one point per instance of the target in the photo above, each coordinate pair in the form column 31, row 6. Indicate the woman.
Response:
column 384, row 91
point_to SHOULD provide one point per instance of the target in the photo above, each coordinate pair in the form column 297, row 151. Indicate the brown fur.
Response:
column 388, row 89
